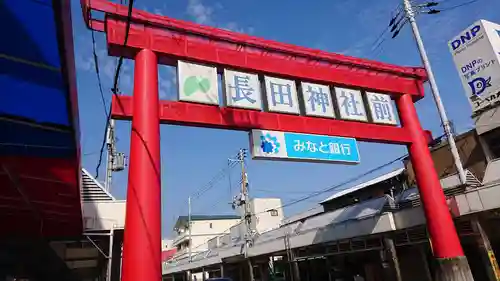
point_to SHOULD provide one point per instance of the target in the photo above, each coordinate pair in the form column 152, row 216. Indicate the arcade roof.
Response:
column 39, row 143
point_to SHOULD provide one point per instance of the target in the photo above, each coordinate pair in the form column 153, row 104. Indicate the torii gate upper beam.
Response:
column 175, row 39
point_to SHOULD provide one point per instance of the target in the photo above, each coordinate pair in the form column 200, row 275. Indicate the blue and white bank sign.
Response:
column 303, row 147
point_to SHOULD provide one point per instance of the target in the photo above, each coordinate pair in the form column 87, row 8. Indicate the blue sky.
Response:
column 191, row 157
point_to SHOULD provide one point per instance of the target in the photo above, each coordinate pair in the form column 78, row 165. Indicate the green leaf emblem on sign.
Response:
column 192, row 84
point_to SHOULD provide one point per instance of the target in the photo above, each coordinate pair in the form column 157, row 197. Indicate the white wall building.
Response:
column 167, row 244
column 268, row 214
column 203, row 228
column 211, row 231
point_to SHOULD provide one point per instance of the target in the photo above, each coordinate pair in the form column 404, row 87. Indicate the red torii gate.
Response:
column 154, row 40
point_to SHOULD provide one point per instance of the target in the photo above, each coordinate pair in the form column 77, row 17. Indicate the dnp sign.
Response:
column 476, row 52
column 465, row 37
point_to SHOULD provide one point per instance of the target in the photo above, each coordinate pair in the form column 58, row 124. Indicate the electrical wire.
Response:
column 457, row 6
column 336, row 186
column 211, row 184
column 214, row 180
column 288, row 191
column 120, row 59
column 314, row 194
column 98, row 74
column 230, row 182
column 115, row 90
column 394, row 18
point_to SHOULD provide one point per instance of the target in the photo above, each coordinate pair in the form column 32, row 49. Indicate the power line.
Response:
column 120, row 59
column 230, row 181
column 214, row 180
column 458, row 6
column 288, row 191
column 114, row 90
column 96, row 66
column 336, row 186
column 395, row 15
column 427, row 8
column 103, row 100
column 314, row 194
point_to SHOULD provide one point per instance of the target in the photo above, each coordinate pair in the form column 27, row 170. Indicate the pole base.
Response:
column 453, row 269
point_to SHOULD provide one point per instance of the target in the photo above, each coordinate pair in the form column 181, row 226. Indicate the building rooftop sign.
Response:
column 476, row 54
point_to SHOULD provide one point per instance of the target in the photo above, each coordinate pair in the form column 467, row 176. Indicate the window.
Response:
column 273, row 212
column 210, row 225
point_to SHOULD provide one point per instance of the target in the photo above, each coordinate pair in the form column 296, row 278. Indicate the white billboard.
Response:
column 476, row 53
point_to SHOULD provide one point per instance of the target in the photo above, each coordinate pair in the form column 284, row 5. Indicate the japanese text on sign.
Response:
column 304, row 147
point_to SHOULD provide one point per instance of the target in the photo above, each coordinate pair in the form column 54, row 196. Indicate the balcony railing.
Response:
column 181, row 238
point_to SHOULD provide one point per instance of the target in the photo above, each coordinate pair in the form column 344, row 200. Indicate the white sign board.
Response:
column 281, row 95
column 381, row 108
column 350, row 104
column 318, row 100
column 242, row 90
column 476, row 54
column 197, row 83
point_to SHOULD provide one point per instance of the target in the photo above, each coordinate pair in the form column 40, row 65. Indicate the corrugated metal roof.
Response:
column 304, row 215
column 272, row 241
column 365, row 184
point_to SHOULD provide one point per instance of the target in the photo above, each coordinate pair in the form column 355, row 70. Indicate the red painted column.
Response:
column 142, row 237
column 444, row 238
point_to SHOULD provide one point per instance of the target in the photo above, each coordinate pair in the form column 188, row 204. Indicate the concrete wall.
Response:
column 167, row 244
column 471, row 153
column 208, row 227
column 264, row 219
column 487, row 121
column 104, row 215
column 201, row 233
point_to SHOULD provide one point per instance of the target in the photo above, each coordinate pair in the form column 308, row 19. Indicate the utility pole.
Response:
column 115, row 160
column 189, row 229
column 246, row 214
column 410, row 14
column 244, row 200
column 110, row 144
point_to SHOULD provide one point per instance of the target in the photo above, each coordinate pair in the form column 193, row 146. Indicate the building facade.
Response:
column 203, row 228
column 347, row 234
column 473, row 153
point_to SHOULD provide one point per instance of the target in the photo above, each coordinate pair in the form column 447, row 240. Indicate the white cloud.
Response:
column 234, row 26
column 205, row 14
column 201, row 13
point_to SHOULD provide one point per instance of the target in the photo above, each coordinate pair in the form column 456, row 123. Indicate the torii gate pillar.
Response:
column 142, row 236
